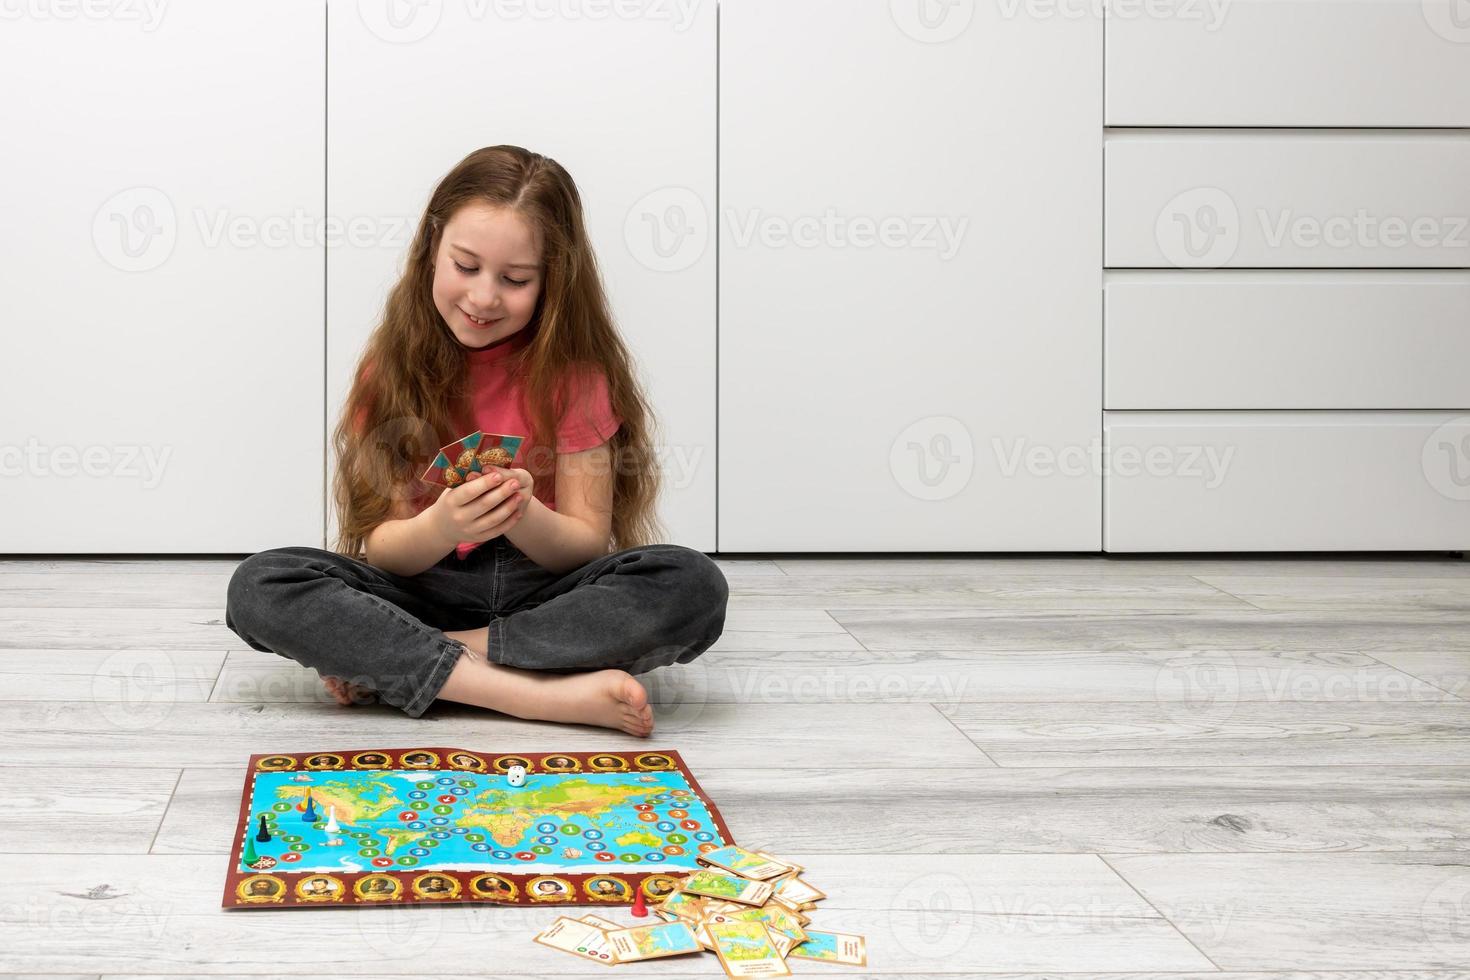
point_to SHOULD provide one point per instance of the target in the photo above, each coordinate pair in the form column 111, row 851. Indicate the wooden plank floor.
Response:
column 1169, row 768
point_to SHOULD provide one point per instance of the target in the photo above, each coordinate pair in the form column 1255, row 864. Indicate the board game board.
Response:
column 390, row 826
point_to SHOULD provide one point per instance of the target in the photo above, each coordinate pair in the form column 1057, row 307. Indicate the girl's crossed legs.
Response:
column 512, row 636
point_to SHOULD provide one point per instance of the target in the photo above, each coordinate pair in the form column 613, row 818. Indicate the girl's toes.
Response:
column 632, row 694
column 337, row 689
column 346, row 693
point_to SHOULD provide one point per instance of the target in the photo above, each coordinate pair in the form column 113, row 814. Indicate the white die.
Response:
column 516, row 775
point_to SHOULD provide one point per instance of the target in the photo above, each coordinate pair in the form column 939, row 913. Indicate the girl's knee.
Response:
column 253, row 568
column 699, row 579
column 697, row 601
column 252, row 576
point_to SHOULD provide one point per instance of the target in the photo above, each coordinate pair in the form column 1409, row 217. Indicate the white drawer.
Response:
column 1286, row 481
column 1279, row 339
column 1288, row 63
column 1290, row 199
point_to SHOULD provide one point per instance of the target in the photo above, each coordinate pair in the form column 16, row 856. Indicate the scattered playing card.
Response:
column 747, row 864
column 712, row 884
column 833, row 947
column 474, row 453
column 579, row 939
column 653, row 942
column 745, row 949
column 777, row 918
column 680, row 905
column 796, row 890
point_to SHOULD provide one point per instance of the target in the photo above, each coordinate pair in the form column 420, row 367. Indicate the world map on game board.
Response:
column 346, row 827
column 455, row 820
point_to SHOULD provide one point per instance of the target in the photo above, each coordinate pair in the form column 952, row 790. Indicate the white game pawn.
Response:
column 516, row 775
column 332, row 825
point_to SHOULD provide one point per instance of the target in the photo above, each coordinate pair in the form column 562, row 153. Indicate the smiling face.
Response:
column 487, row 274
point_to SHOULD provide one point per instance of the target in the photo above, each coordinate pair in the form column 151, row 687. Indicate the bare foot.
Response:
column 347, row 693
column 607, row 698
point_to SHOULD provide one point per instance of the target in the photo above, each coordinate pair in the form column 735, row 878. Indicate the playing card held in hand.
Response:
column 474, row 453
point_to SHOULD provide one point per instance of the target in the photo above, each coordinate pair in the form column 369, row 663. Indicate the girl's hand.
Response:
column 483, row 507
column 525, row 487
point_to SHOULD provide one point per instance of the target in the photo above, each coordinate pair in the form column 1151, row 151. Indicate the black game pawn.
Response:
column 264, row 836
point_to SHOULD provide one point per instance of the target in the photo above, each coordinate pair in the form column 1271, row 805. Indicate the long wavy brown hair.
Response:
column 410, row 394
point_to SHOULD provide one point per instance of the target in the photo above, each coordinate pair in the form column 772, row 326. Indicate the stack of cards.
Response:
column 747, row 907
column 473, row 454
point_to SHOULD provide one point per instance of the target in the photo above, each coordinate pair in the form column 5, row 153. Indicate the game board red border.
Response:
column 465, row 896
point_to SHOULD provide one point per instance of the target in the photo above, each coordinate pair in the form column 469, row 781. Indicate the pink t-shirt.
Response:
column 496, row 400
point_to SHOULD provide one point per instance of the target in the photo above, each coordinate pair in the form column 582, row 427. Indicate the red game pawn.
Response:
column 639, row 909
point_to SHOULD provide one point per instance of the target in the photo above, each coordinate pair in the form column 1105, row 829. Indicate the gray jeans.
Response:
column 635, row 609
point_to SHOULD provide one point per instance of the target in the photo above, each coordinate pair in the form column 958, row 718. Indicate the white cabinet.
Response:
column 1287, row 339
column 161, row 369
column 910, row 278
column 1288, row 63
column 1287, row 481
column 624, row 103
column 1288, row 199
column 1289, row 372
